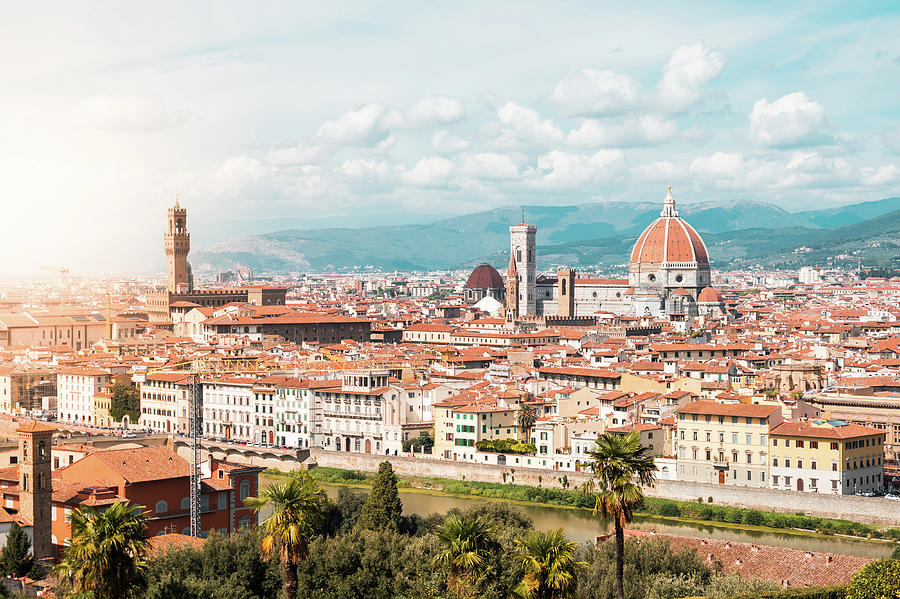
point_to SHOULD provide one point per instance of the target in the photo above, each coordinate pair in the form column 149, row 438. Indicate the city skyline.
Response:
column 386, row 114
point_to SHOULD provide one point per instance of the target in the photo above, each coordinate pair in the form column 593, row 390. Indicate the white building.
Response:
column 75, row 389
column 228, row 409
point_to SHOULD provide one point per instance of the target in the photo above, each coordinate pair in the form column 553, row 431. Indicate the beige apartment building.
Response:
column 725, row 443
column 820, row 456
column 165, row 402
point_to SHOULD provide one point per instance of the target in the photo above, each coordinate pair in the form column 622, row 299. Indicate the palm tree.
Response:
column 550, row 566
column 467, row 543
column 526, row 417
column 615, row 462
column 107, row 554
column 297, row 514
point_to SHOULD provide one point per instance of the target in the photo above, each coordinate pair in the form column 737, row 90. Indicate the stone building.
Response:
column 180, row 279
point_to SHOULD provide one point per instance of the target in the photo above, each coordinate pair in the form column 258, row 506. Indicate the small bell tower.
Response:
column 35, row 487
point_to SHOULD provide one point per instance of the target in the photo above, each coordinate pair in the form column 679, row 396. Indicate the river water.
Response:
column 580, row 525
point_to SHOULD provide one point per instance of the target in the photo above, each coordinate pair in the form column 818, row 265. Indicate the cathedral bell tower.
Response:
column 178, row 244
column 35, row 491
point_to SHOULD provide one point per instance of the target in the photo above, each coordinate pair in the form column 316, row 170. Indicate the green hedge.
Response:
column 830, row 592
column 506, row 446
column 652, row 506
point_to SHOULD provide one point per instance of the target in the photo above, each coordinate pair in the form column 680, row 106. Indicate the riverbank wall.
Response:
column 869, row 510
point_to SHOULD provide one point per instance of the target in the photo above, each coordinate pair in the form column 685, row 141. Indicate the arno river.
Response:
column 581, row 526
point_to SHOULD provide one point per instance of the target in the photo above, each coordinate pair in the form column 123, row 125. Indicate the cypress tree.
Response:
column 383, row 509
column 16, row 559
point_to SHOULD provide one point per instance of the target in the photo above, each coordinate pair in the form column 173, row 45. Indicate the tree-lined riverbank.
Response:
column 569, row 509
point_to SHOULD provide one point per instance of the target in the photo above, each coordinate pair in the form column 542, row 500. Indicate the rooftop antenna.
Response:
column 523, row 215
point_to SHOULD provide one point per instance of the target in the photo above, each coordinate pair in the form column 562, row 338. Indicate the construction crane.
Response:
column 63, row 280
column 197, row 368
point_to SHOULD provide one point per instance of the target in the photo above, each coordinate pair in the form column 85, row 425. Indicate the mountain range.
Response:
column 598, row 236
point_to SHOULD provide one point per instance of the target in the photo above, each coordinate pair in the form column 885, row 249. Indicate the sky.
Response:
column 264, row 116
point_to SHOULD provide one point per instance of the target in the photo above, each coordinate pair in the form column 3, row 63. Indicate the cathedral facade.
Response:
column 668, row 276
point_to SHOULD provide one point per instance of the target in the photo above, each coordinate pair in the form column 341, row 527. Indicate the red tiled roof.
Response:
column 728, row 409
column 787, row 567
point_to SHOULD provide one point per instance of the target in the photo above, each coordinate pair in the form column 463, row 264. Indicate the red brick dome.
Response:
column 709, row 295
column 484, row 276
column 669, row 239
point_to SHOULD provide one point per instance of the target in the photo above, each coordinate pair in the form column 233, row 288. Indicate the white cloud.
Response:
column 791, row 120
column 428, row 172
column 560, row 169
column 643, row 131
column 662, row 170
column 444, row 142
column 431, row 109
column 688, row 69
column 524, row 126
column 298, row 154
column 595, row 92
column 360, row 126
column 721, row 165
column 362, row 168
column 133, row 114
column 800, row 170
column 490, row 165
column 880, row 176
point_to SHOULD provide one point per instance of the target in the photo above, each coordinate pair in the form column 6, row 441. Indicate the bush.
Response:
column 877, row 580
column 754, row 518
column 506, row 446
column 669, row 509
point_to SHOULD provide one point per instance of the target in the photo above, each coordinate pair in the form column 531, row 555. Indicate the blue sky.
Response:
column 261, row 116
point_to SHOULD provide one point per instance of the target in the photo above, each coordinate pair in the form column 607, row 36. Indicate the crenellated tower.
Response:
column 178, row 245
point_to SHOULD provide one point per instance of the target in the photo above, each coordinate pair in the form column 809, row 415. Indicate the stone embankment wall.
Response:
column 872, row 510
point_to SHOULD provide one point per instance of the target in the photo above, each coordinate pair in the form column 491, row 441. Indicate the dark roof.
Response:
column 484, row 277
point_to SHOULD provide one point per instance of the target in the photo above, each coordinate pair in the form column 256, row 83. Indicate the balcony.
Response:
column 723, row 464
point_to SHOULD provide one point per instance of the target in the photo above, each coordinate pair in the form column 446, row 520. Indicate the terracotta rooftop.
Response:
column 787, row 567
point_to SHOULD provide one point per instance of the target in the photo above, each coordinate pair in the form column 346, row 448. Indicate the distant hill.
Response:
column 596, row 235
column 874, row 242
column 831, row 218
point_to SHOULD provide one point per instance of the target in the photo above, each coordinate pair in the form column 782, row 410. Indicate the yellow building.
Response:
column 725, row 443
column 820, row 456
column 463, row 420
column 102, row 404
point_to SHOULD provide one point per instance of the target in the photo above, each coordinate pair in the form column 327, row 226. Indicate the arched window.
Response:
column 40, row 450
column 185, row 503
column 186, row 530
column 245, row 489
column 162, row 506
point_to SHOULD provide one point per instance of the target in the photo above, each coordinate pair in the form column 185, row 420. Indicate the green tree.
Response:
column 107, row 554
column 550, row 564
column 615, row 461
column 877, row 580
column 466, row 545
column 423, row 443
column 16, row 559
column 296, row 517
column 125, row 401
column 222, row 568
column 383, row 509
column 525, row 418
